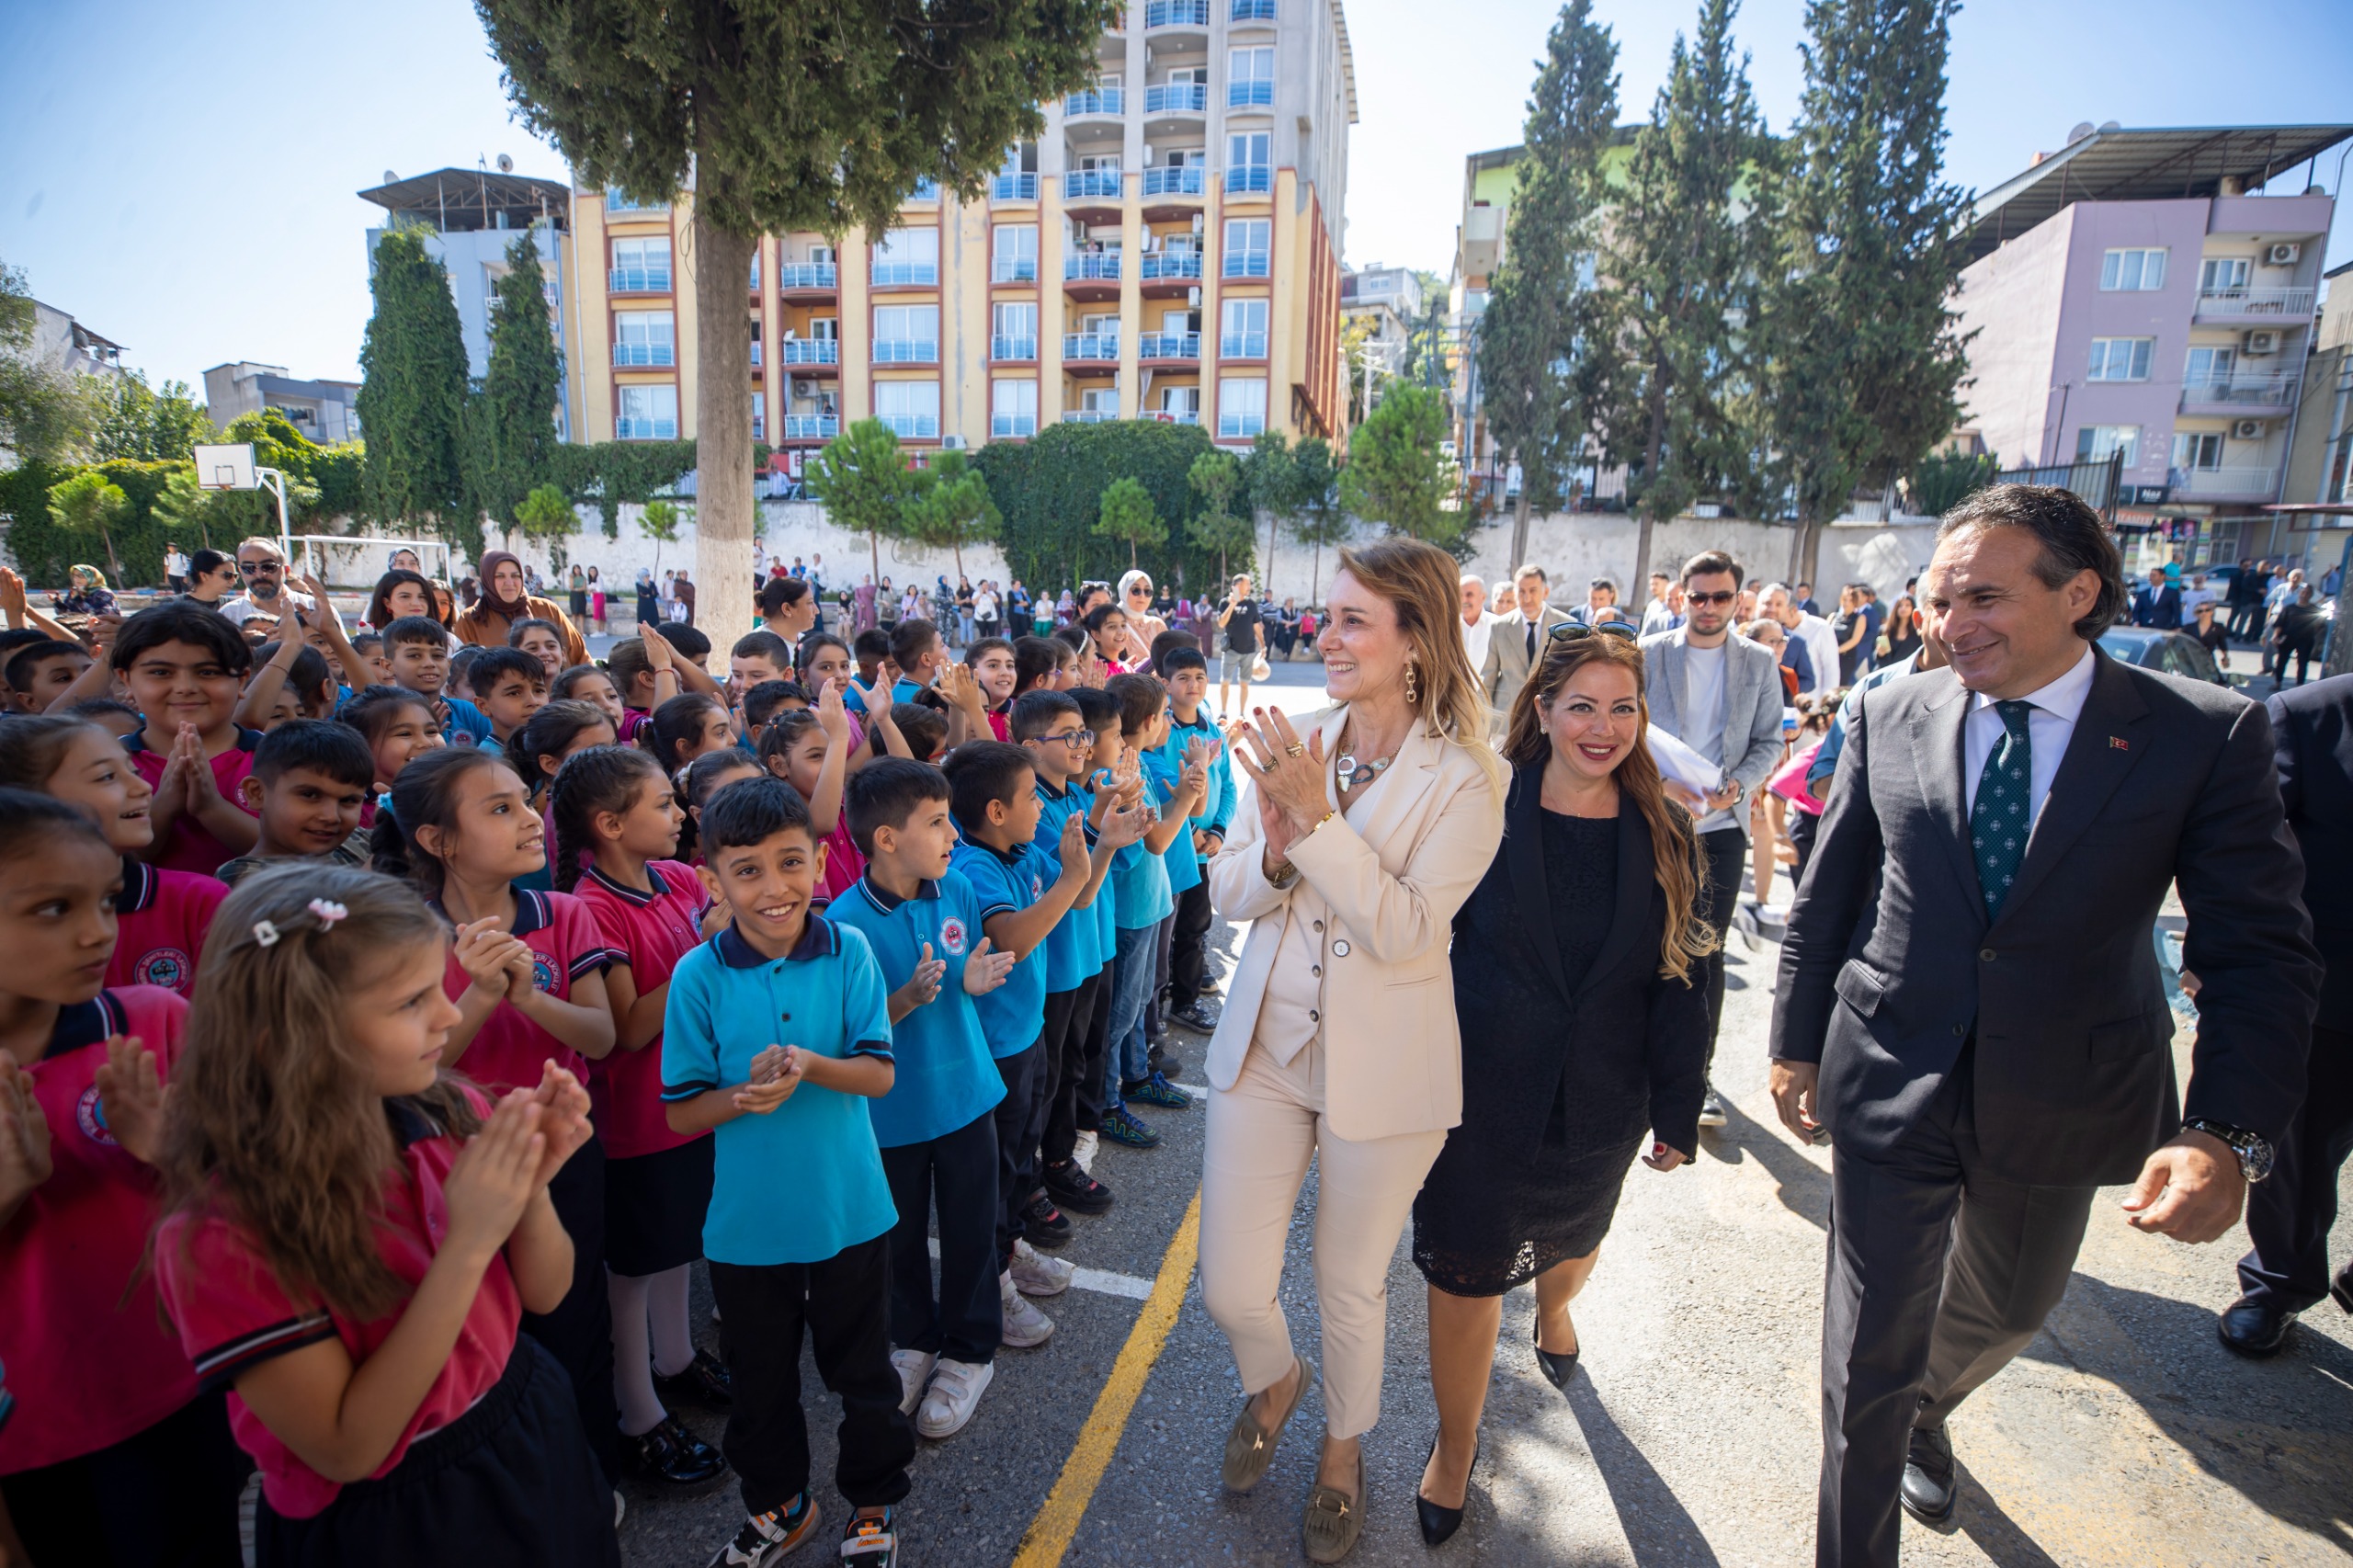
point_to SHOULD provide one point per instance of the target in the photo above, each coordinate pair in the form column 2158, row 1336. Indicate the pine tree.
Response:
column 951, row 507
column 1216, row 478
column 412, row 391
column 1128, row 516
column 1535, row 367
column 517, row 401
column 1687, row 239
column 1395, row 475
column 1320, row 521
column 862, row 478
column 1864, row 360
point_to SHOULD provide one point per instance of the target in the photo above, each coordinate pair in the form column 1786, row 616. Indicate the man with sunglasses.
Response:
column 1721, row 695
column 262, row 569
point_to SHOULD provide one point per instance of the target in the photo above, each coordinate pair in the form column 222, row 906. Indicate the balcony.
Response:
column 1101, row 347
column 1191, row 180
column 616, row 204
column 912, row 426
column 2226, row 483
column 2280, row 307
column 1176, row 415
column 634, row 356
column 809, row 276
column 1176, row 14
column 1169, row 346
column 1246, row 264
column 1089, row 415
column 1095, row 101
column 1177, row 98
column 1003, row 348
column 906, row 274
column 1249, row 95
column 638, row 280
column 1014, row 269
column 1098, row 184
column 756, row 354
column 906, row 351
column 1240, row 426
column 811, row 426
column 628, row 429
column 1013, row 187
column 1101, row 266
column 1241, row 345
column 1250, row 176
column 756, row 275
column 2238, row 394
column 810, row 351
column 1012, row 426
column 1252, row 11
column 1170, row 266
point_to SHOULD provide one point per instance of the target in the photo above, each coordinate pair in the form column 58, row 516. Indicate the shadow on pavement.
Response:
column 1659, row 1527
column 1804, row 1186
column 1994, row 1532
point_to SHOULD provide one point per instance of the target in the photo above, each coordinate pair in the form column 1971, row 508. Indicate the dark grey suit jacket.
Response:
column 2314, row 724
column 1890, row 965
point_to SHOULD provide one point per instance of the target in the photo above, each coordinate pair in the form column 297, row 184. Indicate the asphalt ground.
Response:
column 2125, row 1435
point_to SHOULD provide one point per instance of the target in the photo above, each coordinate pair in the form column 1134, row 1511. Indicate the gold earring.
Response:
column 1413, row 692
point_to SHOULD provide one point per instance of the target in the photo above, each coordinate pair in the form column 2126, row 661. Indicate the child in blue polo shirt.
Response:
column 1098, row 783
column 1186, row 672
column 1141, row 900
column 939, row 1137
column 775, row 1037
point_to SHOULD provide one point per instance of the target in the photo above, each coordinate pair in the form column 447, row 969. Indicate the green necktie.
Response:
column 2004, row 813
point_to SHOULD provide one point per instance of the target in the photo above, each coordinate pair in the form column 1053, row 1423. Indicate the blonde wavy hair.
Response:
column 1424, row 584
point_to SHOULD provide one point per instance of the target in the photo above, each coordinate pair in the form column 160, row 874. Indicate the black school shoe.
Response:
column 1071, row 1188
column 1194, row 1017
column 667, row 1451
column 1045, row 1226
column 705, row 1382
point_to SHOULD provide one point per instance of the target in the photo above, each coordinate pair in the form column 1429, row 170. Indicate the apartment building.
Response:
column 1386, row 304
column 327, row 412
column 2150, row 292
column 1168, row 248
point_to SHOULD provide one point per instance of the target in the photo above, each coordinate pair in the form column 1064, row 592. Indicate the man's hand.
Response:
column 2190, row 1190
column 1793, row 1085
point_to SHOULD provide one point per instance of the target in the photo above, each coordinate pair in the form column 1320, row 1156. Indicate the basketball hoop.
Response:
column 226, row 468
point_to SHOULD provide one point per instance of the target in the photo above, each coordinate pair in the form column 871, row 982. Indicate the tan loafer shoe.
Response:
column 1250, row 1447
column 1333, row 1519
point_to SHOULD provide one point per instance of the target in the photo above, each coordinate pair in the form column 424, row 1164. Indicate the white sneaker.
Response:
column 914, row 1368
column 956, row 1388
column 1026, row 1327
column 1084, row 1152
column 1036, row 1276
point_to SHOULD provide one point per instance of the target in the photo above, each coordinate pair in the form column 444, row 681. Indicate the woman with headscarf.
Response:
column 504, row 602
column 87, row 593
column 649, row 598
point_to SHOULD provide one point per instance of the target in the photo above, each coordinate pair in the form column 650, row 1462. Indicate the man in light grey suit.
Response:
column 1517, row 641
column 1721, row 695
column 1969, row 999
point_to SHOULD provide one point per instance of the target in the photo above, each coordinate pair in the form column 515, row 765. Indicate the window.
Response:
column 1241, row 407
column 906, row 256
column 2122, row 358
column 1013, row 331
column 1180, row 405
column 1249, row 161
column 645, row 337
column 2210, row 367
column 2221, row 275
column 1103, row 403
column 2131, row 270
column 1246, row 242
column 1249, row 77
column 647, row 413
column 2197, row 449
column 759, row 417
column 1016, row 253
column 909, row 408
column 1242, row 333
column 642, row 265
column 906, row 334
column 1013, row 408
column 2097, row 443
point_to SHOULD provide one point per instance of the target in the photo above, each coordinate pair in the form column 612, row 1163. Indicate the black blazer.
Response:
column 1624, row 1037
column 1890, row 966
column 2314, row 728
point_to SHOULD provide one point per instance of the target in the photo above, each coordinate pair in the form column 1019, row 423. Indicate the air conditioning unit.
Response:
column 1147, row 154
column 2286, row 254
column 1078, row 232
column 2264, row 342
column 2246, row 430
column 1193, row 297
column 803, row 388
column 951, row 443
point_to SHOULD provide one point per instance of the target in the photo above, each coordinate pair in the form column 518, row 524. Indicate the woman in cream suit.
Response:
column 1338, row 1038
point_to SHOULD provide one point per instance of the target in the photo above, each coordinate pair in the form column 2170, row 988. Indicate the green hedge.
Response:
column 609, row 472
column 43, row 550
column 1051, row 492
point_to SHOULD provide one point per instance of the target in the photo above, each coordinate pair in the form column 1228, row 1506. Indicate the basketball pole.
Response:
column 264, row 476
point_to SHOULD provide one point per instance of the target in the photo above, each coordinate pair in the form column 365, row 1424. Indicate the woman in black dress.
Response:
column 1574, row 964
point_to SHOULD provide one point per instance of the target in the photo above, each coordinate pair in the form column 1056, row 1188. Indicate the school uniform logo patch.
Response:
column 542, row 974
column 952, row 935
column 166, row 967
column 1036, row 886
column 90, row 1115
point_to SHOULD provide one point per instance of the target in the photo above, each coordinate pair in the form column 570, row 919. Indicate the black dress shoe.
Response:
column 2254, row 1328
column 705, row 1383
column 1927, row 1490
column 1558, row 1366
column 667, row 1451
column 1439, row 1524
column 2342, row 1289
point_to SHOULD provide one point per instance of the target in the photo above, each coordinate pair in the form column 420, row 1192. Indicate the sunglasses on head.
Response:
column 1570, row 631
column 1724, row 598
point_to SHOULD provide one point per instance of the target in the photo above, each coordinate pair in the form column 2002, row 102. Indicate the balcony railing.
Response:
column 912, row 426
column 1096, row 100
column 1177, row 98
column 1169, row 264
column 1191, row 179
column 905, row 274
column 1176, row 14
column 809, row 275
column 1088, row 415
column 626, row 355
column 1246, row 263
column 1177, row 415
column 811, row 426
column 756, row 275
column 2240, row 392
column 1013, row 187
column 1004, row 425
column 906, row 351
column 1091, row 263
column 1091, row 182
column 1013, row 349
column 760, row 427
column 1169, row 346
column 2234, row 483
column 2239, row 304
column 1014, row 269
column 616, row 202
column 638, row 281
column 1252, row 11
column 756, row 354
column 1090, row 346
column 1250, row 176
column 1240, row 426
column 810, row 351
column 1241, row 345
column 628, row 429
column 1248, row 95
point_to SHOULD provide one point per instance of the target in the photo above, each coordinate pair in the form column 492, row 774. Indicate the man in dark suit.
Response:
column 1969, row 998
column 2288, row 1217
column 1516, row 646
column 2159, row 604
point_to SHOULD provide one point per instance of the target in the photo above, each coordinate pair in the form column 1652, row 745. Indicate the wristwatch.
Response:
column 2253, row 1149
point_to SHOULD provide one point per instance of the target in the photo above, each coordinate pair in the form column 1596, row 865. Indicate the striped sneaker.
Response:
column 766, row 1537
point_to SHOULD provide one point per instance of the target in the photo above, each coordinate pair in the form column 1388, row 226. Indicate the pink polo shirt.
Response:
column 192, row 847
column 510, row 1049
column 650, row 931
column 161, row 917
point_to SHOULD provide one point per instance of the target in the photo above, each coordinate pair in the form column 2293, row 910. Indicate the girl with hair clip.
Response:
column 711, row 773
column 617, row 822
column 116, row 1455
column 353, row 1235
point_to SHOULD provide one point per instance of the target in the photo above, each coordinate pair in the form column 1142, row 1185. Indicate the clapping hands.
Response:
column 24, row 1137
column 776, row 1073
column 922, row 986
column 986, row 969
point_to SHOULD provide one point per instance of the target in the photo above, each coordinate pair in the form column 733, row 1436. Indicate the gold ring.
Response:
column 1296, row 749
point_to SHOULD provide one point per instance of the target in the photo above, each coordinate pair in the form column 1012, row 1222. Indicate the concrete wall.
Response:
column 1575, row 549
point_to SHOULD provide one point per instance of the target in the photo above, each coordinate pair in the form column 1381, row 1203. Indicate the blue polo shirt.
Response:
column 1072, row 958
column 804, row 1181
column 467, row 720
column 1216, row 814
column 1014, row 1015
column 946, row 1076
column 1179, row 863
column 1107, row 897
column 1140, row 878
column 905, row 691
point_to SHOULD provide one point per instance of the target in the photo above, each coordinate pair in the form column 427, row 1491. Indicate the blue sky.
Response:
column 181, row 176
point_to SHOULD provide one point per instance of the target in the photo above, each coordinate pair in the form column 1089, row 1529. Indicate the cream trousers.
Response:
column 1261, row 1132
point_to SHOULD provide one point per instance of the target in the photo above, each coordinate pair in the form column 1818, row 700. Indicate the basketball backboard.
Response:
column 226, row 468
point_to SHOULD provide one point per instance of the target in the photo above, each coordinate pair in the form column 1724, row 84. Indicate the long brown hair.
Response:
column 1425, row 585
column 1674, row 845
column 273, row 1121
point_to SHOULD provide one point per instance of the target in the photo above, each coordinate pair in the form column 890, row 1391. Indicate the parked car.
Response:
column 2172, row 652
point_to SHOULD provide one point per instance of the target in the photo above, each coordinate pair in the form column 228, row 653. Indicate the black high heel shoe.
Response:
column 1439, row 1524
column 1557, row 1366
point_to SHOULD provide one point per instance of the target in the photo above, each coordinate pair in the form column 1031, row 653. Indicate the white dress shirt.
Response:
column 2048, row 727
column 1476, row 636
column 1822, row 650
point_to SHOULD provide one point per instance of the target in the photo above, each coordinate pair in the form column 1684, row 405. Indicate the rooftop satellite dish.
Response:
column 390, row 178
column 2108, row 125
column 2079, row 133
column 506, row 165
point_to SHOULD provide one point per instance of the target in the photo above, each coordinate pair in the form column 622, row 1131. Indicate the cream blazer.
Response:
column 1380, row 904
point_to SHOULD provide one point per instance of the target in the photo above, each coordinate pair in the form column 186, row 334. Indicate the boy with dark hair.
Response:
column 869, row 648
column 791, row 1117
column 1187, row 671
column 310, row 779
column 935, row 1126
column 916, row 649
column 765, row 701
column 417, row 648
column 292, row 682
column 184, row 667
column 925, row 730
column 509, row 685
column 691, row 646
column 1168, row 642
column 1141, row 900
column 40, row 671
column 1098, row 790
column 757, row 656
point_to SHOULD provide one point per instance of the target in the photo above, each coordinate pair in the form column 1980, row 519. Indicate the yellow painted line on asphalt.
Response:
column 1051, row 1533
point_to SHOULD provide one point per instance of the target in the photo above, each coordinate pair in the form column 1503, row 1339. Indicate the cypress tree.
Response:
column 518, row 395
column 412, row 391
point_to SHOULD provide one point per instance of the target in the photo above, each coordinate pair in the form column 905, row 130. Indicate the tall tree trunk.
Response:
column 1274, row 528
column 1519, row 523
column 1641, row 583
column 724, row 507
